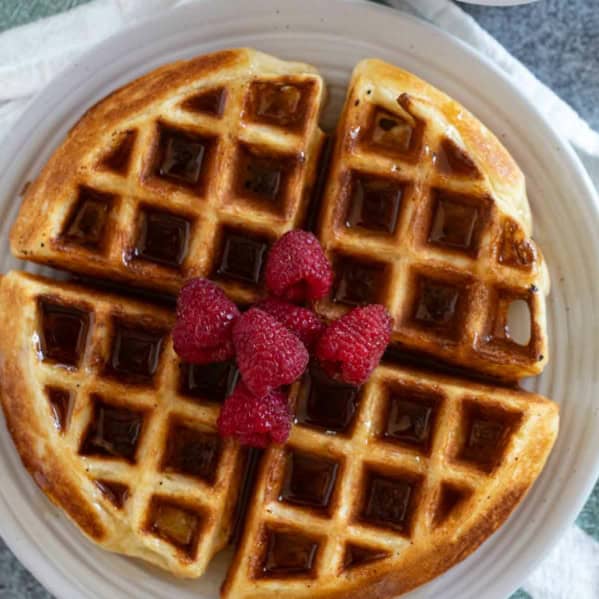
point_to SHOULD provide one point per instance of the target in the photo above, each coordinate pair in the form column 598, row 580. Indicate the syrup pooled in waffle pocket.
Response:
column 197, row 169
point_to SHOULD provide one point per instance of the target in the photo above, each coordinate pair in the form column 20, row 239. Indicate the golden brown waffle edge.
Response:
column 159, row 181
column 112, row 427
column 194, row 170
column 426, row 212
column 424, row 469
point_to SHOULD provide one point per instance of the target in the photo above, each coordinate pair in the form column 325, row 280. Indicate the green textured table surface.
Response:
column 557, row 40
column 19, row 12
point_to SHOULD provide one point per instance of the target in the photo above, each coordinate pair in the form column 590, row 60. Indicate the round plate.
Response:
column 334, row 36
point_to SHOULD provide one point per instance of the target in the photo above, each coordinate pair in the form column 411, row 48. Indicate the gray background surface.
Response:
column 557, row 39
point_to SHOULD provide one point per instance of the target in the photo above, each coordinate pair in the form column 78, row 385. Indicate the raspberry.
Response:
column 253, row 420
column 352, row 347
column 297, row 268
column 300, row 321
column 268, row 355
column 204, row 326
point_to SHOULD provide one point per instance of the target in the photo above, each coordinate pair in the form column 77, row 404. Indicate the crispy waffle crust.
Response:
column 194, row 170
column 426, row 212
column 381, row 490
column 112, row 427
column 184, row 172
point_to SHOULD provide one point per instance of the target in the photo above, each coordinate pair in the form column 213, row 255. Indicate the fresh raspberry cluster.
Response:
column 272, row 341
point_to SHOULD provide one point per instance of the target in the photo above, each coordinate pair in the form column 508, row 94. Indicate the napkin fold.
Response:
column 31, row 55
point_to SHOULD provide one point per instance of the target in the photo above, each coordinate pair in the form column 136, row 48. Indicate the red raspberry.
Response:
column 352, row 347
column 256, row 421
column 297, row 268
column 300, row 321
column 268, row 355
column 204, row 326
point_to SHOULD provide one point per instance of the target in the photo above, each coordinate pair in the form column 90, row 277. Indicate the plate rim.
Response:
column 35, row 561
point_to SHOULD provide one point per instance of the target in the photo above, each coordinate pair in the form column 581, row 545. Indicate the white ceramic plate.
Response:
column 334, row 35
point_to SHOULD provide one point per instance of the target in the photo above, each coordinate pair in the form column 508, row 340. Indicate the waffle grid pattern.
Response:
column 203, row 181
column 420, row 468
column 403, row 191
column 200, row 183
column 109, row 378
column 161, row 197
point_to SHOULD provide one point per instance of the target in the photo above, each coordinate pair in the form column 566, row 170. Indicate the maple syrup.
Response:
column 64, row 332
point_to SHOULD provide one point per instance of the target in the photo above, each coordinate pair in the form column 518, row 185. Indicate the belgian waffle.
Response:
column 197, row 167
column 381, row 490
column 112, row 427
column 426, row 212
column 191, row 170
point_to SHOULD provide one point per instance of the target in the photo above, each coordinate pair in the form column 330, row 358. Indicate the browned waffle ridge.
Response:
column 194, row 170
column 378, row 489
column 112, row 427
column 381, row 490
column 426, row 212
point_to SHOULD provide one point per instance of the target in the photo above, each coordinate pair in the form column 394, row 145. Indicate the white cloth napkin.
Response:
column 31, row 55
